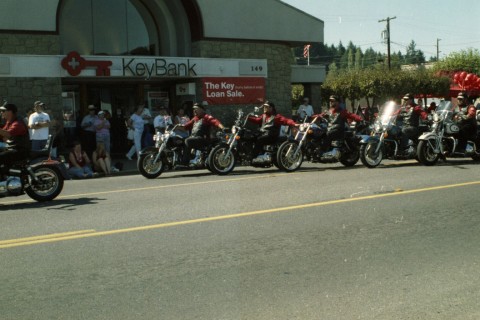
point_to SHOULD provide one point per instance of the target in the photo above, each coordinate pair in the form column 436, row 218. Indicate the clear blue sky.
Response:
column 456, row 23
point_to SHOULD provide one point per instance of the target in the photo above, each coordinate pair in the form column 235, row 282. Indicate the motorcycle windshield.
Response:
column 445, row 110
column 388, row 113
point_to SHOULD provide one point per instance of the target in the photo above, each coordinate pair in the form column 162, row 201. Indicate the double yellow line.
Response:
column 92, row 233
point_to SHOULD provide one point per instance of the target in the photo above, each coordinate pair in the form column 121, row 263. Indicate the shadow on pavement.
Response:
column 58, row 204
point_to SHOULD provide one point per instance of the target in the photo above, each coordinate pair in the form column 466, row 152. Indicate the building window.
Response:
column 108, row 27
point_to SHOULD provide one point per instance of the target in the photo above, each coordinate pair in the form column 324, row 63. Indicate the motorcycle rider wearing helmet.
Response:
column 200, row 126
column 410, row 113
column 466, row 121
column 15, row 134
column 270, row 124
column 462, row 100
column 337, row 117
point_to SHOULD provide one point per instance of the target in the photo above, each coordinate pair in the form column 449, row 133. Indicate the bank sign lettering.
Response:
column 146, row 68
column 224, row 91
column 158, row 68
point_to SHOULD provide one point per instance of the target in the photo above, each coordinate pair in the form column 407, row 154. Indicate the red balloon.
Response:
column 456, row 77
column 463, row 75
column 468, row 78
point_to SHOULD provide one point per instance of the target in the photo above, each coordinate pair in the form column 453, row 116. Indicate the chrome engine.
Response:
column 12, row 186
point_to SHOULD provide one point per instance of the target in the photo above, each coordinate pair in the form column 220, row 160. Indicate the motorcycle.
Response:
column 384, row 141
column 168, row 153
column 307, row 145
column 441, row 140
column 39, row 176
column 240, row 148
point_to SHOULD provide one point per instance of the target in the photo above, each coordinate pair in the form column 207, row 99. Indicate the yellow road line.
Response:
column 44, row 237
column 236, row 215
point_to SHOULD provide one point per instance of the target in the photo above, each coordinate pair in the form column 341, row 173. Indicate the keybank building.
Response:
column 116, row 54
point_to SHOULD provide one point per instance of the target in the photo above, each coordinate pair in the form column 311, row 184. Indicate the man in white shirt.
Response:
column 304, row 110
column 161, row 121
column 39, row 122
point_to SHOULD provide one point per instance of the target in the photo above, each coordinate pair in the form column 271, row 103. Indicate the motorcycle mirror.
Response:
column 256, row 109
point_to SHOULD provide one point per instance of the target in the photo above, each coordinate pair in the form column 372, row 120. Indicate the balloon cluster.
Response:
column 467, row 81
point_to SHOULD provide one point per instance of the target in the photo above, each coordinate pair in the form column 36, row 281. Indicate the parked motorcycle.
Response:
column 307, row 145
column 168, row 153
column 39, row 176
column 384, row 141
column 240, row 148
column 441, row 140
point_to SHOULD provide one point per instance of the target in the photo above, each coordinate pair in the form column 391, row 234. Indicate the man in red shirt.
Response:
column 271, row 123
column 337, row 118
column 200, row 126
column 15, row 134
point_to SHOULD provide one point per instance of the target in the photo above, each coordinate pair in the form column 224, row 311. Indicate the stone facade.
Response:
column 24, row 91
column 279, row 59
column 29, row 44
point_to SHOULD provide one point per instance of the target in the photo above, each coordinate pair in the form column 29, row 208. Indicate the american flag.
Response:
column 306, row 51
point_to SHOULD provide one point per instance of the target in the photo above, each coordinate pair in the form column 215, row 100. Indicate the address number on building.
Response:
column 253, row 68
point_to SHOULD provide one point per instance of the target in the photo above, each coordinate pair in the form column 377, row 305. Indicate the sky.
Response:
column 455, row 23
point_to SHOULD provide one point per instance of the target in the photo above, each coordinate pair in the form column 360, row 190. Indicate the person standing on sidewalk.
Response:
column 39, row 122
column 102, row 126
column 89, row 132
column 136, row 123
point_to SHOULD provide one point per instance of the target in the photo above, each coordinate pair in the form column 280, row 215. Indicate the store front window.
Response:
column 108, row 27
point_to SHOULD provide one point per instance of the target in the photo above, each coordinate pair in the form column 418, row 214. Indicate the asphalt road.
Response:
column 397, row 242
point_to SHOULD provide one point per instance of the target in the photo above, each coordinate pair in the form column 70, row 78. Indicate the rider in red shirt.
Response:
column 337, row 118
column 15, row 134
column 270, row 124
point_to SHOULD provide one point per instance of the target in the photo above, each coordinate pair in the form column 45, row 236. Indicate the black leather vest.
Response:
column 200, row 129
column 268, row 126
column 336, row 124
column 410, row 118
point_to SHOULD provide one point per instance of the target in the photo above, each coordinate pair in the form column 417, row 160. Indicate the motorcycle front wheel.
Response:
column 221, row 161
column 349, row 159
column 287, row 160
column 426, row 153
column 48, row 186
column 148, row 167
column 369, row 157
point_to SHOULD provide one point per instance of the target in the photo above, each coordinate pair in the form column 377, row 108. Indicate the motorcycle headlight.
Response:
column 378, row 127
column 234, row 129
column 303, row 127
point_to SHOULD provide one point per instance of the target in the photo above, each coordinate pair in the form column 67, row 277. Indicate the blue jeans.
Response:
column 84, row 172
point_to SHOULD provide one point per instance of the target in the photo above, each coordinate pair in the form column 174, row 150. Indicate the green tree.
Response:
column 414, row 56
column 464, row 60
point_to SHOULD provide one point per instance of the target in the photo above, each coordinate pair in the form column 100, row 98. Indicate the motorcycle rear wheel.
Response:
column 426, row 154
column 286, row 159
column 147, row 168
column 368, row 156
column 49, row 184
column 221, row 161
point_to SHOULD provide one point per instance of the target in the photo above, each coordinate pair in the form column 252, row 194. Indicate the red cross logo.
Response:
column 74, row 64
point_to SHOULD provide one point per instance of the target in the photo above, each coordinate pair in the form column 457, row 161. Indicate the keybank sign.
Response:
column 76, row 65
column 158, row 68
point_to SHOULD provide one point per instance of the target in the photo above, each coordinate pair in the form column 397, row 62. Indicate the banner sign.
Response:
column 233, row 90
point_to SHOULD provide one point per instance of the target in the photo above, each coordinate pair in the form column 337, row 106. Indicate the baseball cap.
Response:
column 9, row 107
column 333, row 97
column 101, row 112
column 408, row 96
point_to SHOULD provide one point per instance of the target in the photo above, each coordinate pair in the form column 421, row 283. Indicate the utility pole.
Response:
column 438, row 49
column 388, row 39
